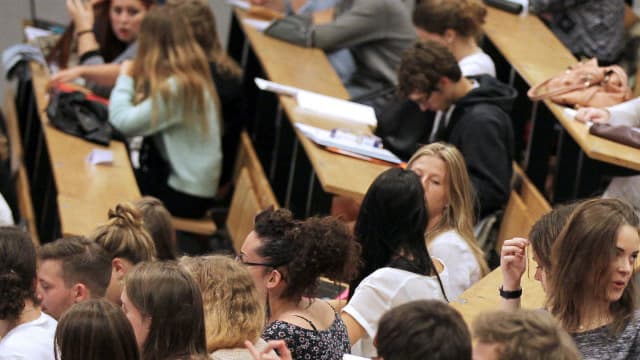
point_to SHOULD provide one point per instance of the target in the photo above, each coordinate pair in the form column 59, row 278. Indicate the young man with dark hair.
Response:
column 423, row 329
column 473, row 116
column 523, row 334
column 71, row 270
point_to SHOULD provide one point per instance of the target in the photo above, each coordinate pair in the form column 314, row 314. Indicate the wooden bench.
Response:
column 25, row 206
column 247, row 158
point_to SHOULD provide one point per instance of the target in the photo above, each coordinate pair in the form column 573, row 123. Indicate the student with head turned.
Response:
column 524, row 335
column 166, row 95
column 127, row 243
column 397, row 265
column 25, row 331
column 233, row 308
column 157, row 221
column 71, row 270
column 97, row 330
column 457, row 24
column 475, row 117
column 105, row 34
column 164, row 306
column 285, row 258
column 588, row 281
column 449, row 196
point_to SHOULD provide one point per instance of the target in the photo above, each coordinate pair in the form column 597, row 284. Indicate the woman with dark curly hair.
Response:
column 25, row 331
column 285, row 258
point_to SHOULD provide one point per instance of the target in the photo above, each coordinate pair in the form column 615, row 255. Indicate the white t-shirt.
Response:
column 477, row 64
column 458, row 257
column 30, row 341
column 6, row 217
column 384, row 289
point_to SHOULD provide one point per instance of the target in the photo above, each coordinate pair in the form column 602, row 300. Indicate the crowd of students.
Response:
column 123, row 291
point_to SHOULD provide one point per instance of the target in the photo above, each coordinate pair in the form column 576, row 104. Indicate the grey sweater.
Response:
column 598, row 344
column 375, row 31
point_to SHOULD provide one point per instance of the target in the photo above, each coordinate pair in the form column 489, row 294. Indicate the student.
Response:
column 227, row 78
column 95, row 329
column 166, row 94
column 285, row 258
column 71, row 270
column 105, row 32
column 476, row 120
column 397, row 266
column 127, row 243
column 423, row 329
column 449, row 195
column 523, row 334
column 233, row 309
column 164, row 306
column 591, row 28
column 456, row 24
column 375, row 32
column 25, row 331
column 157, row 221
column 588, row 283
column 624, row 114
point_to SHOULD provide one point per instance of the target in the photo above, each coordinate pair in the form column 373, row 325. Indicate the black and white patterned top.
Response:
column 307, row 344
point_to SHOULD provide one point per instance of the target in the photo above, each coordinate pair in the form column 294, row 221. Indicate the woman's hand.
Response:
column 595, row 115
column 81, row 12
column 67, row 75
column 278, row 345
column 513, row 262
column 126, row 68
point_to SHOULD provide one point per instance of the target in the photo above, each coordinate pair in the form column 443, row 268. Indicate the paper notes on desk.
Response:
column 100, row 157
column 257, row 24
column 33, row 32
column 267, row 85
column 365, row 150
column 336, row 108
column 240, row 4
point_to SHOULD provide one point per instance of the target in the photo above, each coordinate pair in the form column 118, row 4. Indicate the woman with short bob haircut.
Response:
column 164, row 306
column 397, row 265
column 232, row 306
column 450, row 201
column 95, row 329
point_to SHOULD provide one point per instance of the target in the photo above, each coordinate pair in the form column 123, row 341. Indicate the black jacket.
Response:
column 480, row 127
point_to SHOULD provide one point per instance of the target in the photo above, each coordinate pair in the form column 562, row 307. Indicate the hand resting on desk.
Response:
column 595, row 115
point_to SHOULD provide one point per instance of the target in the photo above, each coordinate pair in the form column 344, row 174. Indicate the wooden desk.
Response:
column 309, row 69
column 537, row 54
column 84, row 192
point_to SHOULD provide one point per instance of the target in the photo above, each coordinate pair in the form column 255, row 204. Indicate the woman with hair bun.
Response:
column 457, row 24
column 285, row 258
column 97, row 330
column 25, row 331
column 127, row 243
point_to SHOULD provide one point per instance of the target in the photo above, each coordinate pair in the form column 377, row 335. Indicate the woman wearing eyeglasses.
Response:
column 285, row 258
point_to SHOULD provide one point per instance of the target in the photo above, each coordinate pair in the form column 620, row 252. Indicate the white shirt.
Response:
column 477, row 64
column 384, row 289
column 458, row 257
column 6, row 217
column 30, row 341
column 626, row 113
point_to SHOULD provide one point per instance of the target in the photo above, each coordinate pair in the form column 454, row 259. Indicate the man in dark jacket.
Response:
column 472, row 115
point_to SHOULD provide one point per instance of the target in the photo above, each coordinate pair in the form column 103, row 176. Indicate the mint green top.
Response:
column 195, row 157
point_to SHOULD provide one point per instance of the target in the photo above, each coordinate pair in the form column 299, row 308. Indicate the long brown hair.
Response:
column 203, row 24
column 465, row 17
column 167, row 49
column 458, row 215
column 581, row 259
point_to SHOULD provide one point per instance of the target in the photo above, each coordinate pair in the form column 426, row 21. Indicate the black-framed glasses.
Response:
column 240, row 259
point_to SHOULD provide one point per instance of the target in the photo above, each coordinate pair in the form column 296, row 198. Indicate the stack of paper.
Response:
column 323, row 137
column 336, row 108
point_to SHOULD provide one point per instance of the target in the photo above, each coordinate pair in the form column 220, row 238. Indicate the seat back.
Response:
column 244, row 207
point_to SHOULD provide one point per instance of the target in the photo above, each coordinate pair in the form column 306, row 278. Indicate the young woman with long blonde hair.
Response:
column 166, row 94
column 450, row 201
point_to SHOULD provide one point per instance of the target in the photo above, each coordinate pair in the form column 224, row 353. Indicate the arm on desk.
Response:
column 102, row 75
column 136, row 119
column 626, row 113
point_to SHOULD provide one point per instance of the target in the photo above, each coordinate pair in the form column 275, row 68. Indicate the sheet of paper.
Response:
column 100, row 157
column 33, row 32
column 242, row 4
column 267, row 85
column 259, row 25
column 352, row 357
column 336, row 108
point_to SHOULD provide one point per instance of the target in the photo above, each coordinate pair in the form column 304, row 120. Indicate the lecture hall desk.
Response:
column 85, row 192
column 309, row 69
column 536, row 54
